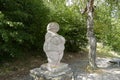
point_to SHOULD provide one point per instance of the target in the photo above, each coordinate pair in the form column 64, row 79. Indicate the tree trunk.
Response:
column 90, row 35
column 91, row 41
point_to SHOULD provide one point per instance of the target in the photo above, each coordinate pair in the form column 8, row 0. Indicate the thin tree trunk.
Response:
column 90, row 34
column 91, row 40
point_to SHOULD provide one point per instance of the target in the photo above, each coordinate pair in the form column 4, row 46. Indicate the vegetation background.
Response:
column 23, row 25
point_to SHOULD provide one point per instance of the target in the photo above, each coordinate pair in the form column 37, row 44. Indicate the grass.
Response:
column 106, row 51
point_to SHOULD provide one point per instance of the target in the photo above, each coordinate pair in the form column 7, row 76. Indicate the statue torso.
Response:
column 53, row 42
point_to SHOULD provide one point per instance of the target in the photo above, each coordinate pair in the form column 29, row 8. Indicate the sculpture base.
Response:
column 61, row 72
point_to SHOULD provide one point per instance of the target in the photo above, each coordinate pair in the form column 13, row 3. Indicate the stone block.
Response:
column 61, row 72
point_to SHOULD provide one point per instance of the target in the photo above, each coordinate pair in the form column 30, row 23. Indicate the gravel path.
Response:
column 107, row 72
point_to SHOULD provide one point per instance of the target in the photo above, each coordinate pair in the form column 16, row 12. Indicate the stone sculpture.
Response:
column 54, row 49
column 54, row 45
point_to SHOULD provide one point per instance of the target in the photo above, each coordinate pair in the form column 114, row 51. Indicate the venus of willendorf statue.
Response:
column 54, row 49
column 54, row 45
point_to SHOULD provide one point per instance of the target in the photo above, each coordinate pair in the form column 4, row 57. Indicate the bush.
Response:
column 22, row 26
column 12, row 36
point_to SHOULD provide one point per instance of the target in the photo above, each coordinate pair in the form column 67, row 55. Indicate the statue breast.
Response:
column 54, row 43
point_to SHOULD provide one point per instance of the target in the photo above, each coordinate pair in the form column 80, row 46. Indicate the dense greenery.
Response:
column 23, row 24
column 107, row 26
column 72, row 23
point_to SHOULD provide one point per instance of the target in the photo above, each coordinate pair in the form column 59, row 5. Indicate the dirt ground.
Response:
column 19, row 68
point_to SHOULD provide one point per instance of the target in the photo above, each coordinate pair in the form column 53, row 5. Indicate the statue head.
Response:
column 53, row 26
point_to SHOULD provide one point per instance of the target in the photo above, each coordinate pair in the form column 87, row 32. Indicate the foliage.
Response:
column 107, row 23
column 72, row 24
column 12, row 36
column 21, row 26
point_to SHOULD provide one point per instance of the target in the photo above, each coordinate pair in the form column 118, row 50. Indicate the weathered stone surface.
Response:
column 62, row 72
column 55, row 68
column 54, row 49
column 54, row 44
column 115, row 62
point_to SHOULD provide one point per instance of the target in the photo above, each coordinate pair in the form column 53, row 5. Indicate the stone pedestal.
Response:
column 60, row 72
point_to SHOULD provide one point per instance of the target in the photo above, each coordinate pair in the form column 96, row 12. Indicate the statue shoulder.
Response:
column 48, row 35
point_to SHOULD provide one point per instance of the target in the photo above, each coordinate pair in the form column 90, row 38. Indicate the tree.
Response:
column 90, row 33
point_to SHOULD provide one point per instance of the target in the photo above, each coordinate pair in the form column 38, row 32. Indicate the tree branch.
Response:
column 89, row 6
